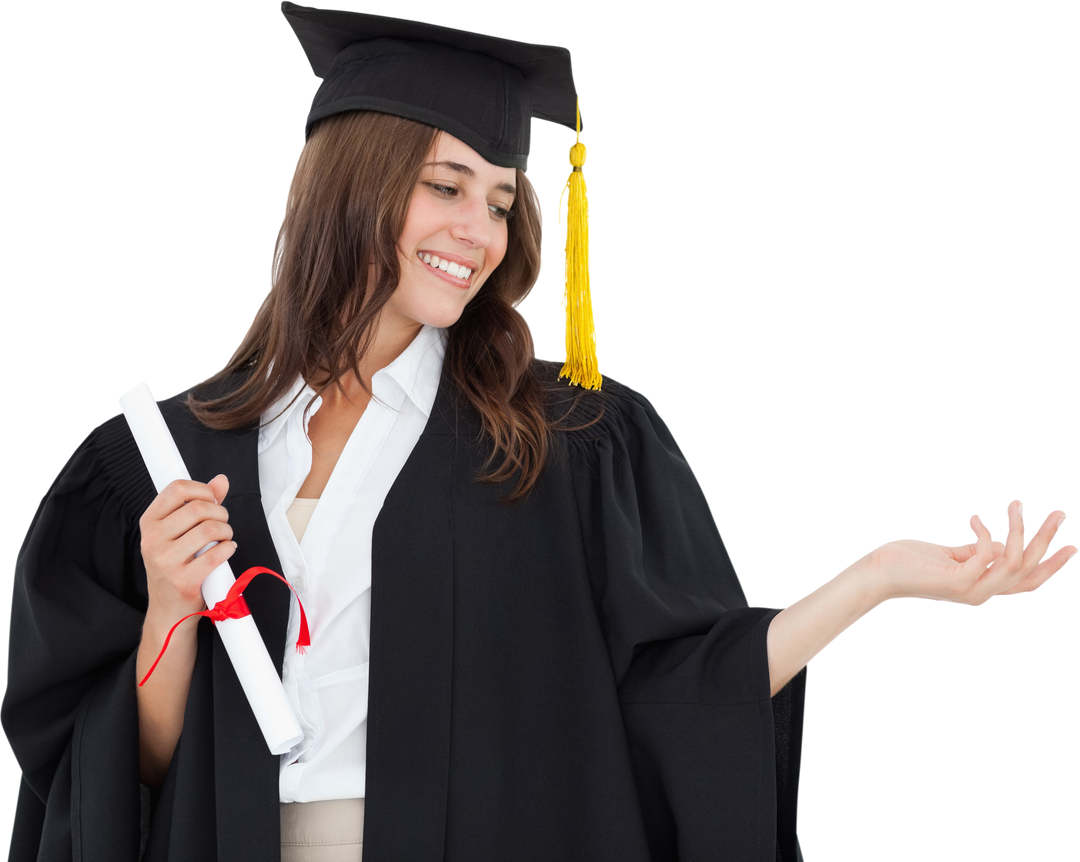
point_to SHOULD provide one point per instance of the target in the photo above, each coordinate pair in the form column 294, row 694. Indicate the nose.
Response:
column 473, row 225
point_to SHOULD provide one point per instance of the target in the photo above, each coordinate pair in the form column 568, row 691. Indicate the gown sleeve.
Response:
column 715, row 758
column 77, row 613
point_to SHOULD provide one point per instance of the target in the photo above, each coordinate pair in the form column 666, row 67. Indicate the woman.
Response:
column 642, row 589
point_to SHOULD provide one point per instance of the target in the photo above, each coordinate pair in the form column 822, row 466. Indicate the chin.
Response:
column 443, row 321
column 440, row 314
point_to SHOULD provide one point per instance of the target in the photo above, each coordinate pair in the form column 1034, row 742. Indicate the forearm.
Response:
column 800, row 632
column 162, row 700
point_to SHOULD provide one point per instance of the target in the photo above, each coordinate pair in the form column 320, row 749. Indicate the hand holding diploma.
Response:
column 186, row 544
column 184, row 518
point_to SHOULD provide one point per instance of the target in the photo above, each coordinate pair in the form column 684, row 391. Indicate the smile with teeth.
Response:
column 464, row 273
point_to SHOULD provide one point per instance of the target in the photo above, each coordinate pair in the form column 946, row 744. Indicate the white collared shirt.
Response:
column 330, row 568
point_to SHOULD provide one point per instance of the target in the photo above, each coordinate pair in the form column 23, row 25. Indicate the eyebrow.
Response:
column 509, row 188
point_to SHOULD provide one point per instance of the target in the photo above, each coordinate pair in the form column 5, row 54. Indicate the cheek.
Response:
column 493, row 256
column 497, row 249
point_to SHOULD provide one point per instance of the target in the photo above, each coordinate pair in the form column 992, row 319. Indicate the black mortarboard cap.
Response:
column 481, row 89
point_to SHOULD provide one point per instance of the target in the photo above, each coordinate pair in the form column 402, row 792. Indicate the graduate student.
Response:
column 527, row 639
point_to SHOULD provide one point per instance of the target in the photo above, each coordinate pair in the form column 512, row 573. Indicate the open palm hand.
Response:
column 973, row 573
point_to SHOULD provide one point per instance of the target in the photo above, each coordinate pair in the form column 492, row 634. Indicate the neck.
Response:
column 383, row 350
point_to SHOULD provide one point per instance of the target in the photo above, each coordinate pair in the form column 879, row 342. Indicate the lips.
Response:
column 458, row 267
column 461, row 284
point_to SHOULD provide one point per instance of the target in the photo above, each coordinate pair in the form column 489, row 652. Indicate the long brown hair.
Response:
column 346, row 209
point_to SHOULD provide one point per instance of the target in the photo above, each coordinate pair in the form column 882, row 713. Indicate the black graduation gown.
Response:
column 573, row 677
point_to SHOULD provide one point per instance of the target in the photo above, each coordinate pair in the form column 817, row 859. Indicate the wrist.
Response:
column 159, row 621
column 868, row 581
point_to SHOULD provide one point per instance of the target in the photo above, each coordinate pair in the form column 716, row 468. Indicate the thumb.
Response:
column 220, row 486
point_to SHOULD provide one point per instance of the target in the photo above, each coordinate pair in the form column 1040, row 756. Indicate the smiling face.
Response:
column 454, row 236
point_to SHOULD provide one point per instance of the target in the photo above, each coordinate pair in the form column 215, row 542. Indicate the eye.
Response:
column 499, row 212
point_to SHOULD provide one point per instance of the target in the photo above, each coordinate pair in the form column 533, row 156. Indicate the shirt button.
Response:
column 285, row 672
column 298, row 584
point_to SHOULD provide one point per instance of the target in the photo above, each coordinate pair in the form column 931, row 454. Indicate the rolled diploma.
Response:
column 241, row 637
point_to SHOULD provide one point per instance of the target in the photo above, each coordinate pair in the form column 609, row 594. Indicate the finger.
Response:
column 203, row 538
column 985, row 549
column 1038, row 567
column 1015, row 537
column 974, row 569
column 1036, row 548
column 198, row 517
column 1042, row 573
column 187, row 515
column 1043, row 566
column 183, row 550
column 961, row 552
column 176, row 494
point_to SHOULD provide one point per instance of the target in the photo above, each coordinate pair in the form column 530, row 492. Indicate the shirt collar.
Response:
column 416, row 371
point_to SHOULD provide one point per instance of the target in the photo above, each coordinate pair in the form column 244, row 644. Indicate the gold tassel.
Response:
column 581, row 365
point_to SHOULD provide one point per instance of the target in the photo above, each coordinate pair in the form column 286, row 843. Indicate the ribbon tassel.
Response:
column 233, row 607
column 581, row 365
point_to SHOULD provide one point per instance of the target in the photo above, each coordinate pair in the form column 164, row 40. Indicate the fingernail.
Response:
column 1019, row 508
column 1061, row 519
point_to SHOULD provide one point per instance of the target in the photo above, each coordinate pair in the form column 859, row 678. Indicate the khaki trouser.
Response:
column 331, row 831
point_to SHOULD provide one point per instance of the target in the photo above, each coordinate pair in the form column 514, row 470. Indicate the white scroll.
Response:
column 241, row 637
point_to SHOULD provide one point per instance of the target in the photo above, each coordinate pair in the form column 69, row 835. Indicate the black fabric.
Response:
column 481, row 89
column 573, row 677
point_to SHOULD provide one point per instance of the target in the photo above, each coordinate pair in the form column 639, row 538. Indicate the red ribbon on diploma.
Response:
column 233, row 606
